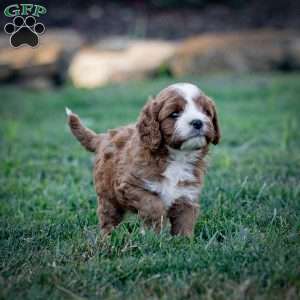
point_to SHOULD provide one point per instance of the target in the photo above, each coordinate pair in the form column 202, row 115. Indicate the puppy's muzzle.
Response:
column 197, row 124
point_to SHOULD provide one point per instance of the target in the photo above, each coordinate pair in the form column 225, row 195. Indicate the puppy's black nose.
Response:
column 197, row 124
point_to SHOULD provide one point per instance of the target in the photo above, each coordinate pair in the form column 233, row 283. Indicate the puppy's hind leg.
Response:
column 110, row 216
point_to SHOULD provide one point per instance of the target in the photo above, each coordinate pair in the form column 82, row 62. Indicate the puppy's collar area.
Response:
column 184, row 155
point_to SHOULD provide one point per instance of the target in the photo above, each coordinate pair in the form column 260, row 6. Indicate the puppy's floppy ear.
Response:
column 148, row 125
column 215, row 121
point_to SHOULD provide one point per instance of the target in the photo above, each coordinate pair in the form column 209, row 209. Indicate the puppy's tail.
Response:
column 87, row 138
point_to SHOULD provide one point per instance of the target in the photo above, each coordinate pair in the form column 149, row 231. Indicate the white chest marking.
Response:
column 180, row 168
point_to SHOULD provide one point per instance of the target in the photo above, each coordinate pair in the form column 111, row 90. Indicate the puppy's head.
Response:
column 182, row 117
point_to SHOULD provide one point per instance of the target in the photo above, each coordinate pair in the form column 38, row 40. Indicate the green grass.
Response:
column 247, row 239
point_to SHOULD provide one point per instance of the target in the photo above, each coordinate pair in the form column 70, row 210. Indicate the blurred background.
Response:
column 94, row 43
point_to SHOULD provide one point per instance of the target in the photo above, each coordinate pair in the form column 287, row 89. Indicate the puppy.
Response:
column 155, row 167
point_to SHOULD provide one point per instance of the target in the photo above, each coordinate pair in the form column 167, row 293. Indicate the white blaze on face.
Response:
column 183, row 127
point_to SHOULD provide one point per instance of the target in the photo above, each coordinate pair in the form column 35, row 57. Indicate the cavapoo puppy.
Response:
column 155, row 167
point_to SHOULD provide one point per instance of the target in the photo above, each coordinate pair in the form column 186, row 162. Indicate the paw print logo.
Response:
column 24, row 31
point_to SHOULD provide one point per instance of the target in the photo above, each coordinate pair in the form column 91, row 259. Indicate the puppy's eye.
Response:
column 174, row 115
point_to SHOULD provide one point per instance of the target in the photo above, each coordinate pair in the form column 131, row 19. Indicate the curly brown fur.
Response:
column 155, row 167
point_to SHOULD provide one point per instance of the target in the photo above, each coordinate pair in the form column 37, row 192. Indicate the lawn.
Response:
column 247, row 239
